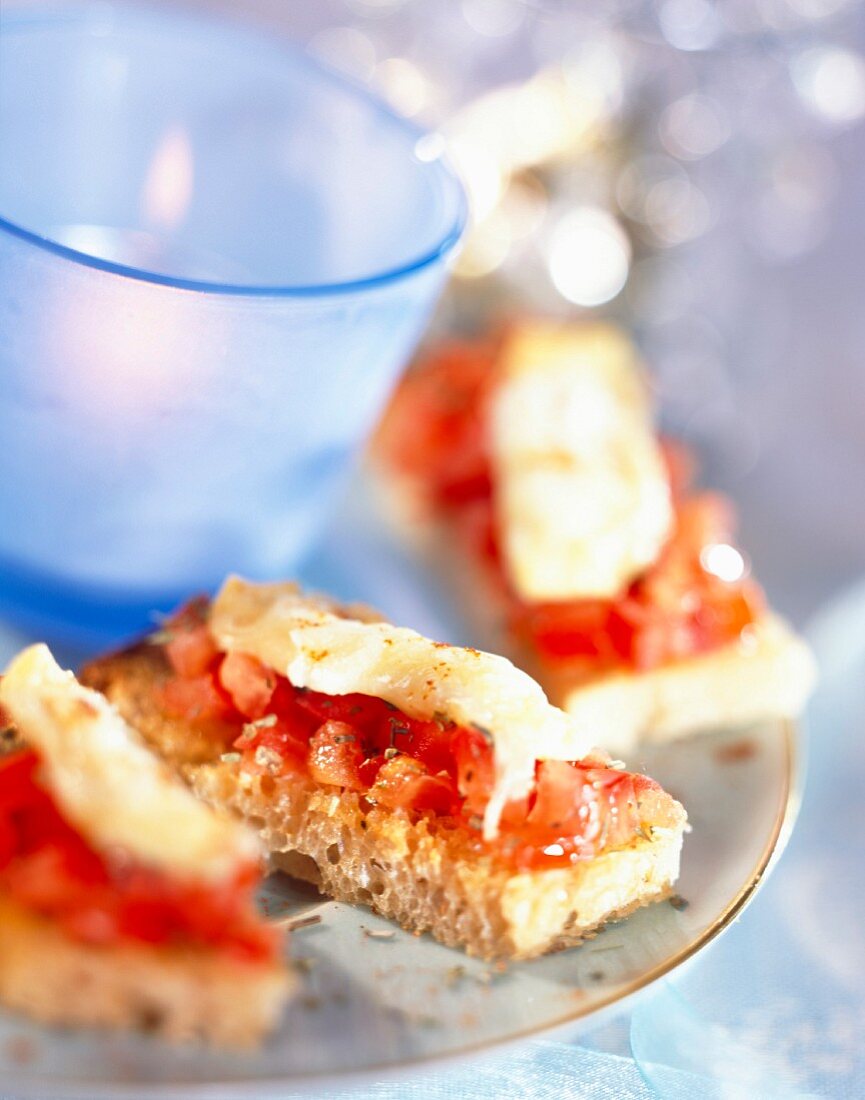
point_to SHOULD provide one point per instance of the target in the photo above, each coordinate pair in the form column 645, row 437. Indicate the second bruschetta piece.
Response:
column 528, row 473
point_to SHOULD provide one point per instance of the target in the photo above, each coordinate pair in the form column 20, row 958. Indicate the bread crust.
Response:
column 427, row 874
column 180, row 994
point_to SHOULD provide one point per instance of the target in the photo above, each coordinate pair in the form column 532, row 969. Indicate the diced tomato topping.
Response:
column 17, row 789
column 560, row 793
column 249, row 683
column 436, row 425
column 49, row 868
column 429, row 742
column 578, row 811
column 589, row 801
column 188, row 643
column 279, row 747
column 365, row 744
column 404, row 783
column 359, row 710
column 475, row 768
column 335, row 755
column 192, row 652
column 579, row 629
column 196, row 698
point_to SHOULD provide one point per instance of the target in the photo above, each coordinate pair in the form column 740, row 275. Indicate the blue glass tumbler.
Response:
column 215, row 256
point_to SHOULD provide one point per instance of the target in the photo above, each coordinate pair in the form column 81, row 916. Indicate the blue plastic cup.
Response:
column 215, row 256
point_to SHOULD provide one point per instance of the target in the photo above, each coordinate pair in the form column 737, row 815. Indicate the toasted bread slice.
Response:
column 427, row 872
column 70, row 957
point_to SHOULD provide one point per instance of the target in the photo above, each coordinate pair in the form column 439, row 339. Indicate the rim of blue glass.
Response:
column 22, row 19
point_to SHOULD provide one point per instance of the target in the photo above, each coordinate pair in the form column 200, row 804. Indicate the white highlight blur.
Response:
column 554, row 116
column 831, row 82
column 723, row 561
column 589, row 256
column 430, row 147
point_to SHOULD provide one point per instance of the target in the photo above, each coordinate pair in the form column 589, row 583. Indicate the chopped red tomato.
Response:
column 435, row 427
column 429, row 742
column 17, row 788
column 559, row 796
column 49, row 868
column 475, row 768
column 335, row 755
column 602, row 798
column 577, row 629
column 191, row 652
column 404, row 783
column 578, row 811
column 277, row 745
column 360, row 710
column 195, row 698
column 189, row 645
column 248, row 682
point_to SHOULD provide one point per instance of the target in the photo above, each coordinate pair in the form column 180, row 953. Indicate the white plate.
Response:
column 371, row 1006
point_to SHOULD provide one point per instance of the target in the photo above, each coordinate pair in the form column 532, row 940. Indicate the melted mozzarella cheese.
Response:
column 304, row 639
column 108, row 785
column 581, row 490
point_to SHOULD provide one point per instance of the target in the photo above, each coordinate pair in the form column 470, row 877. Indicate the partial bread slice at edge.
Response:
column 179, row 994
column 424, row 874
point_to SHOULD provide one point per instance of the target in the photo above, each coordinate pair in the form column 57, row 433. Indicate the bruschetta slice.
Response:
column 528, row 470
column 125, row 902
column 434, row 783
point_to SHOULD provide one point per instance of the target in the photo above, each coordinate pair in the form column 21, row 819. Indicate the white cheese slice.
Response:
column 106, row 782
column 582, row 495
column 306, row 640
